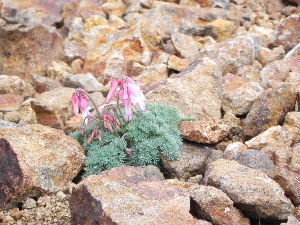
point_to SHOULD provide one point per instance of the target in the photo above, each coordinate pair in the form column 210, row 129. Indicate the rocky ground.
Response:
column 232, row 64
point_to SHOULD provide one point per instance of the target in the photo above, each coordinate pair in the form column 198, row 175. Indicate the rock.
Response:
column 267, row 56
column 36, row 160
column 207, row 132
column 10, row 102
column 295, row 161
column 220, row 29
column 234, row 53
column 269, row 109
column 291, row 221
column 215, row 206
column 289, row 180
column 124, row 195
column 27, row 114
column 287, row 33
column 13, row 116
column 87, row 81
column 192, row 161
column 29, row 203
column 186, row 46
column 57, row 70
column 274, row 136
column 239, row 94
column 233, row 123
column 153, row 74
column 32, row 11
column 17, row 60
column 117, row 7
column 195, row 92
column 178, row 64
column 252, row 191
column 53, row 107
column 279, row 154
column 252, row 158
column 15, row 85
column 42, row 84
column 292, row 124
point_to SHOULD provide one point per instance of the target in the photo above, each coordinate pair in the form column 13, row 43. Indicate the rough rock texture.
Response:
column 292, row 124
column 10, row 102
column 194, row 92
column 271, row 137
column 215, row 206
column 53, row 107
column 295, row 161
column 42, row 83
column 125, row 195
column 203, row 131
column 287, row 32
column 35, row 160
column 239, row 94
column 87, row 81
column 252, row 191
column 17, row 60
column 192, row 161
column 269, row 109
column 15, row 85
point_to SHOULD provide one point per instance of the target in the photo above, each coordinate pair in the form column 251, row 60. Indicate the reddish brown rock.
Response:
column 289, row 180
column 125, row 195
column 53, row 107
column 46, row 12
column 203, row 131
column 178, row 64
column 215, row 206
column 42, row 83
column 35, row 160
column 269, row 109
column 287, row 33
column 252, row 191
column 10, row 102
column 25, row 48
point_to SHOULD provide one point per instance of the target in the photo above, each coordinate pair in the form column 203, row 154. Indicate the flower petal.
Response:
column 115, row 83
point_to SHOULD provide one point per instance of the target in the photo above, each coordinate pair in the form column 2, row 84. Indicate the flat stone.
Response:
column 86, row 81
column 10, row 102
column 124, row 195
column 252, row 191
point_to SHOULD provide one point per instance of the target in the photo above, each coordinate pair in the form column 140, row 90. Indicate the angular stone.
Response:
column 153, row 75
column 53, row 107
column 269, row 109
column 252, row 191
column 196, row 92
column 287, row 33
column 36, row 160
column 267, row 56
column 58, row 70
column 279, row 154
column 86, row 81
column 13, row 116
column 207, row 132
column 178, row 64
column 27, row 114
column 234, row 53
column 295, row 161
column 274, row 136
column 215, row 206
column 42, row 84
column 192, row 161
column 186, row 46
column 124, row 195
column 252, row 158
column 17, row 60
column 239, row 94
column 292, row 124
column 15, row 85
column 289, row 180
column 10, row 102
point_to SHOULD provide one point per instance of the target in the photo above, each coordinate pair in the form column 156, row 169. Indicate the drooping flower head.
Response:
column 80, row 103
column 110, row 122
column 130, row 94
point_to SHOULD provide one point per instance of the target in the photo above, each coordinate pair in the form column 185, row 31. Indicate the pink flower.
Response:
column 110, row 121
column 115, row 84
column 80, row 103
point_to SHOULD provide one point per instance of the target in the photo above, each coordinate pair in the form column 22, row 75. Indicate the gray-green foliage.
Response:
column 149, row 134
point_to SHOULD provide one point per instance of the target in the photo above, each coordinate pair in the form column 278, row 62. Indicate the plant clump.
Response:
column 124, row 130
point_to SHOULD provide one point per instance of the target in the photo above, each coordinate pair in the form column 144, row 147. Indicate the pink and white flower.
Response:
column 80, row 103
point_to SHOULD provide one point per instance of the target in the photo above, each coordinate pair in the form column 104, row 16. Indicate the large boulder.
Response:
column 252, row 191
column 125, row 195
column 25, row 49
column 35, row 160
column 196, row 92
